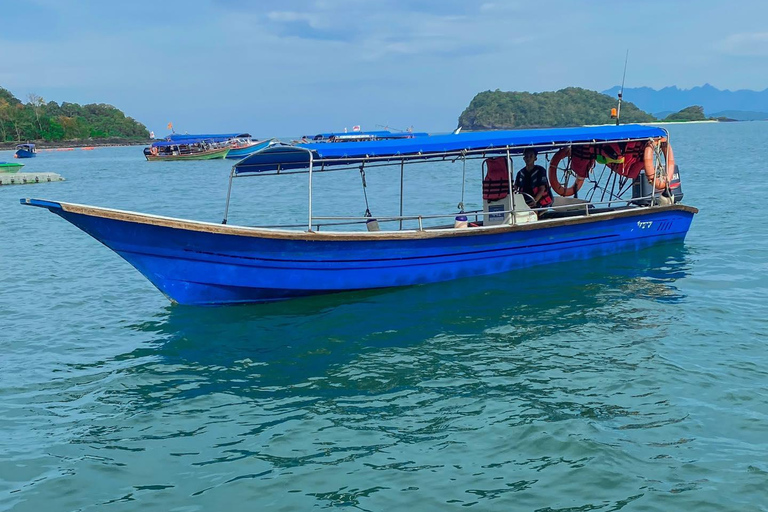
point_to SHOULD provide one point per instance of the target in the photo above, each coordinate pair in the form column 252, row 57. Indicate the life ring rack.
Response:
column 662, row 180
column 558, row 187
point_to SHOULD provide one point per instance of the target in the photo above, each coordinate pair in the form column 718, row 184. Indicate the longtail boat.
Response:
column 240, row 148
column 203, row 263
column 193, row 149
column 240, row 144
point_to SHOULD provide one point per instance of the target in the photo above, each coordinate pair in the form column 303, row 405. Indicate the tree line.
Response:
column 38, row 120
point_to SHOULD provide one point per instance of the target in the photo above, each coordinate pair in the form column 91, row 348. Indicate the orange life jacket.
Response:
column 496, row 180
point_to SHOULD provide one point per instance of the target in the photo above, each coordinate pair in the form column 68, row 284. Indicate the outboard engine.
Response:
column 675, row 186
column 642, row 189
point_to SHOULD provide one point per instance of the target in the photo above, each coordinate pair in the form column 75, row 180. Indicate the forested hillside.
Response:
column 38, row 120
column 493, row 110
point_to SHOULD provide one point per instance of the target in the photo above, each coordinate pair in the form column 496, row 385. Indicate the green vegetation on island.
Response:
column 573, row 106
column 693, row 113
column 51, row 122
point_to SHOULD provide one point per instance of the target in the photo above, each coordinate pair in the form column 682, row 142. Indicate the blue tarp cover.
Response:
column 341, row 153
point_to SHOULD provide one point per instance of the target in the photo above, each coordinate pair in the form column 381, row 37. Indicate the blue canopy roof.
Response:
column 216, row 137
column 282, row 157
column 25, row 146
column 184, row 142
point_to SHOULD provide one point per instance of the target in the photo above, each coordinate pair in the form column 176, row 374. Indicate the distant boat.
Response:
column 359, row 136
column 211, row 137
column 192, row 149
column 10, row 167
column 25, row 151
column 241, row 144
column 240, row 148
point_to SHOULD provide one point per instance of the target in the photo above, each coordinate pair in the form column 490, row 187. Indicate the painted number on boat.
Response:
column 645, row 224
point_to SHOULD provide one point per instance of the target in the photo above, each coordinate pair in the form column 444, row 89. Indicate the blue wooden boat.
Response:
column 25, row 151
column 242, row 147
column 202, row 263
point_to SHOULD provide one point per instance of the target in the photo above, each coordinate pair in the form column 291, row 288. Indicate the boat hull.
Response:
column 201, row 263
column 7, row 168
column 23, row 153
column 243, row 152
column 203, row 155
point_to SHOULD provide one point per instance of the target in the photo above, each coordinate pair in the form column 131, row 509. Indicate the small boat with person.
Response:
column 616, row 189
column 26, row 150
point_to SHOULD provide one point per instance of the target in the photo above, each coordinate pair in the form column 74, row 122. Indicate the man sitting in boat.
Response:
column 531, row 181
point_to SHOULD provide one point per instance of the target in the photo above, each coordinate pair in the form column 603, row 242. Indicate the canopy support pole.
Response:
column 229, row 193
column 509, row 182
column 463, row 181
column 311, row 164
column 402, row 164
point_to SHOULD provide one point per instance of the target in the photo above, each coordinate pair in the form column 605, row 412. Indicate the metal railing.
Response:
column 579, row 209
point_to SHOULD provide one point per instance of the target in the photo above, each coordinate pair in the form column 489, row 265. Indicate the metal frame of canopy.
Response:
column 359, row 162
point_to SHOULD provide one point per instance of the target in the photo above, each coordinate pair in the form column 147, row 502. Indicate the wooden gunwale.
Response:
column 226, row 229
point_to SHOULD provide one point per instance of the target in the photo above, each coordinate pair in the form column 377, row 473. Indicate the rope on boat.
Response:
column 365, row 194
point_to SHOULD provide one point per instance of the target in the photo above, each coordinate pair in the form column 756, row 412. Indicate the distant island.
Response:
column 741, row 105
column 37, row 120
column 694, row 113
column 573, row 106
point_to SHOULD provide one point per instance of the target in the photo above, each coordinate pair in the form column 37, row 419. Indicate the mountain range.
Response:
column 743, row 105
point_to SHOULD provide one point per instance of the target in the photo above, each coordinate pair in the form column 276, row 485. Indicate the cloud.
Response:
column 306, row 25
column 389, row 28
column 750, row 44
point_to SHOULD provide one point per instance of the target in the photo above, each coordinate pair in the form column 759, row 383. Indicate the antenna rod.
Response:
column 621, row 92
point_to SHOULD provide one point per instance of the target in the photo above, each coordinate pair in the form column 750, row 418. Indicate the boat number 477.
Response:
column 645, row 224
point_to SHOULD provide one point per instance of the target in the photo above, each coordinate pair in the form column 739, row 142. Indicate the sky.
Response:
column 289, row 67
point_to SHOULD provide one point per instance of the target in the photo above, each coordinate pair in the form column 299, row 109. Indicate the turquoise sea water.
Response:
column 634, row 382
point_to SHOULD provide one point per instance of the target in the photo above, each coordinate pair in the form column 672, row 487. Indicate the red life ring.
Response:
column 554, row 183
column 662, row 180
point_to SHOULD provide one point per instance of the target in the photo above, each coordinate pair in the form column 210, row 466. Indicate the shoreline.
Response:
column 78, row 143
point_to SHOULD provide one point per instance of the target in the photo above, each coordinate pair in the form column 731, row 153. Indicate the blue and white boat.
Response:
column 25, row 151
column 202, row 263
column 242, row 147
column 360, row 136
